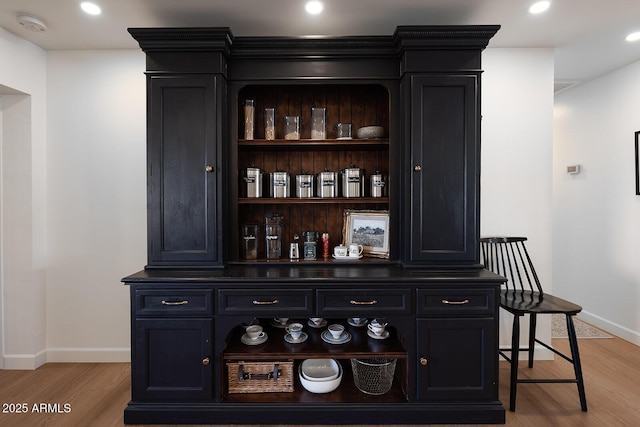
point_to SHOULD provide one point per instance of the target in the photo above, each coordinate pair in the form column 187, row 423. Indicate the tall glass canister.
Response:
column 292, row 127
column 318, row 123
column 249, row 116
column 270, row 124
column 250, row 241
column 273, row 236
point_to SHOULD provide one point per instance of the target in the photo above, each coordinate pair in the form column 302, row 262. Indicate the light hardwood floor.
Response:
column 96, row 394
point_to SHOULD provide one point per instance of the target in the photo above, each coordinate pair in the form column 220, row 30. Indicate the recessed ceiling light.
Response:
column 90, row 8
column 633, row 37
column 314, row 7
column 539, row 7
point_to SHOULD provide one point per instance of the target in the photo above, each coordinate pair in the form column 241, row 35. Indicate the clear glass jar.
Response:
column 292, row 127
column 270, row 123
column 249, row 116
column 318, row 123
column 250, row 241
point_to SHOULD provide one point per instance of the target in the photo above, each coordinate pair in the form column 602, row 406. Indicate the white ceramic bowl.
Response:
column 370, row 132
column 320, row 386
column 320, row 369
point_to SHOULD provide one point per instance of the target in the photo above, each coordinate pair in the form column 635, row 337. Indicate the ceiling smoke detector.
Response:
column 32, row 23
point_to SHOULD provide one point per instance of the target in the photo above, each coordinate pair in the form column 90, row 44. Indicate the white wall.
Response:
column 22, row 207
column 596, row 233
column 97, row 200
column 517, row 137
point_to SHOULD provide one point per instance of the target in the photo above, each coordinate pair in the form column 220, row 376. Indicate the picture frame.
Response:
column 369, row 228
column 638, row 163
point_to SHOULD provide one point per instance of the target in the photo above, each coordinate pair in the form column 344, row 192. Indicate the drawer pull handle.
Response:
column 354, row 302
column 463, row 302
column 206, row 361
column 424, row 361
column 183, row 302
column 256, row 302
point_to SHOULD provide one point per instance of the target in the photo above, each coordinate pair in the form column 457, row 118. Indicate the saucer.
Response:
column 384, row 335
column 357, row 325
column 327, row 337
column 319, row 325
column 278, row 324
column 248, row 341
column 303, row 338
column 346, row 257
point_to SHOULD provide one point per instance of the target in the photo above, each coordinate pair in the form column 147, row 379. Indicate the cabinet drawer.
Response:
column 369, row 303
column 456, row 301
column 256, row 302
column 176, row 302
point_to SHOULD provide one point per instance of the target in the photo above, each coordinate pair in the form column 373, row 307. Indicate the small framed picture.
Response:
column 368, row 228
column 638, row 163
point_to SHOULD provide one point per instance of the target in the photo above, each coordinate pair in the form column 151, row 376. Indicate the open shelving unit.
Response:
column 361, row 346
column 358, row 104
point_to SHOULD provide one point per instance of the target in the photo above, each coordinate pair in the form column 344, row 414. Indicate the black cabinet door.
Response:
column 183, row 170
column 172, row 360
column 443, row 170
column 456, row 359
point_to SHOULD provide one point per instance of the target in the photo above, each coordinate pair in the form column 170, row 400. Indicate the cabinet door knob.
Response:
column 205, row 361
column 417, row 168
column 208, row 168
column 423, row 361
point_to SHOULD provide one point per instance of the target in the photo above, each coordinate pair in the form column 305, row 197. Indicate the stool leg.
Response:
column 577, row 366
column 515, row 354
column 532, row 337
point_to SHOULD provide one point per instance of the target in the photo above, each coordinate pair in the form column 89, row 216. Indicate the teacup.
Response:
column 316, row 320
column 376, row 327
column 281, row 320
column 336, row 330
column 254, row 332
column 355, row 250
column 358, row 320
column 340, row 251
column 295, row 330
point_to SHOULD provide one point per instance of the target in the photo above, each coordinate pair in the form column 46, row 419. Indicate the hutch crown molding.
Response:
column 188, row 305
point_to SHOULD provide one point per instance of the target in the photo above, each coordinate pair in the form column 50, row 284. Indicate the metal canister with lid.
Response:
column 252, row 181
column 304, row 185
column 279, row 184
column 353, row 182
column 327, row 184
column 378, row 185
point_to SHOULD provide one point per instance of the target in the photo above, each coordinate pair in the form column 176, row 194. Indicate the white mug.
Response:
column 336, row 330
column 316, row 320
column 355, row 250
column 295, row 330
column 376, row 328
column 340, row 251
column 255, row 331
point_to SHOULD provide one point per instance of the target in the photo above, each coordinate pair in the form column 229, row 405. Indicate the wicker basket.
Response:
column 373, row 376
column 260, row 377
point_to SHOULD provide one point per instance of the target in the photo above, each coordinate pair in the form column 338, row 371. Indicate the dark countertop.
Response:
column 287, row 273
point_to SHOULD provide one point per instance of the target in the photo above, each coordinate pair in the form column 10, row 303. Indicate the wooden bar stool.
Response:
column 508, row 257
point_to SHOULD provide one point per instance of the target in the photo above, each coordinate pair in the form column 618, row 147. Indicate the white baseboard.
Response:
column 66, row 355
column 611, row 327
column 89, row 355
column 27, row 362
